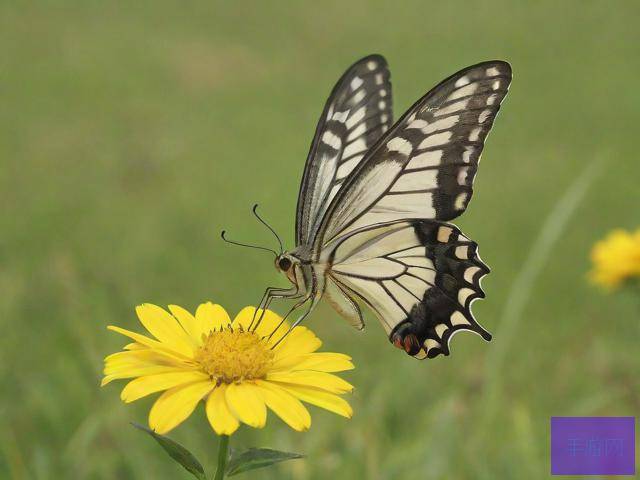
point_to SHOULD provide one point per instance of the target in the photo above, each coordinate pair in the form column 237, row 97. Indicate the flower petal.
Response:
column 136, row 363
column 143, row 355
column 616, row 258
column 322, row 399
column 285, row 405
column 175, row 405
column 162, row 325
column 267, row 324
column 139, row 338
column 300, row 340
column 211, row 317
column 188, row 322
column 137, row 372
column 143, row 386
column 322, row 362
column 321, row 380
column 220, row 417
column 246, row 403
column 149, row 342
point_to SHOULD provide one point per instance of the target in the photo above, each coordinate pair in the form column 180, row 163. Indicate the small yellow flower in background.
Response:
column 237, row 373
column 616, row 258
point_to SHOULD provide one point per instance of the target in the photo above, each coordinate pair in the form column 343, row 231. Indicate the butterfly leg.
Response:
column 269, row 294
column 312, row 305
column 291, row 310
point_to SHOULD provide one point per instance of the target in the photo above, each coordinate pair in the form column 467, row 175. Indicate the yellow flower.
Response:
column 237, row 373
column 616, row 258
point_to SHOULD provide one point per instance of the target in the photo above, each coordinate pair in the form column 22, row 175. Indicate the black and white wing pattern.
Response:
column 357, row 113
column 384, row 236
column 424, row 166
column 419, row 277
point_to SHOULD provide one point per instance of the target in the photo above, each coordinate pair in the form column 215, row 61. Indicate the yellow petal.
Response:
column 162, row 325
column 143, row 386
column 131, row 371
column 321, row 399
column 148, row 342
column 211, row 317
column 285, row 405
column 143, row 355
column 135, row 369
column 300, row 340
column 321, row 362
column 175, row 405
column 325, row 381
column 136, row 372
column 220, row 417
column 270, row 320
column 139, row 338
column 246, row 403
column 134, row 346
column 135, row 363
column 188, row 322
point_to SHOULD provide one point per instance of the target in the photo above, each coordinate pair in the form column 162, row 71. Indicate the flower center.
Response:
column 234, row 355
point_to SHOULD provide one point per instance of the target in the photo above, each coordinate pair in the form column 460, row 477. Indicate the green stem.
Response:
column 223, row 454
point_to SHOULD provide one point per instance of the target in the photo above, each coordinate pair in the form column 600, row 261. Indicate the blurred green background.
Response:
column 131, row 133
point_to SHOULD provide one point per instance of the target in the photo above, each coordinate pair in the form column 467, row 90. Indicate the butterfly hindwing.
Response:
column 424, row 166
column 340, row 298
column 355, row 116
column 419, row 277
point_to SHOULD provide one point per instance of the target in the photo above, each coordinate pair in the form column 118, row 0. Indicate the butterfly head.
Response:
column 283, row 262
column 286, row 264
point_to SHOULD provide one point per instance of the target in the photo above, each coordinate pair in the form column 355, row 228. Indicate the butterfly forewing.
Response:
column 355, row 116
column 424, row 166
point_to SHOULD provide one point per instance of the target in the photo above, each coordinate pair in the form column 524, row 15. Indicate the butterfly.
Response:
column 375, row 201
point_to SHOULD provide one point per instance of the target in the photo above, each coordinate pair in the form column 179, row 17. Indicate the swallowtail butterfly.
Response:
column 375, row 199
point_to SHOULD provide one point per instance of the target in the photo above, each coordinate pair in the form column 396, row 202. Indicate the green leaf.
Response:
column 176, row 451
column 257, row 458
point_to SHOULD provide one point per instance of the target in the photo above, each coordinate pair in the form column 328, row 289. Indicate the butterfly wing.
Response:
column 419, row 277
column 384, row 236
column 356, row 114
column 424, row 166
column 341, row 298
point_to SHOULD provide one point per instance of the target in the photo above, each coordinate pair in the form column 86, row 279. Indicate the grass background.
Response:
column 132, row 132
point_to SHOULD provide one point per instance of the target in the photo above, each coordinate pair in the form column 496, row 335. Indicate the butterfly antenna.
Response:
column 246, row 244
column 255, row 212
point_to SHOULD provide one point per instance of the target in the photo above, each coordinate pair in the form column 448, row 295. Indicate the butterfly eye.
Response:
column 284, row 264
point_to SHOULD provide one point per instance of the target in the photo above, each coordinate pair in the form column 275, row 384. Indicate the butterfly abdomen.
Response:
column 445, row 306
